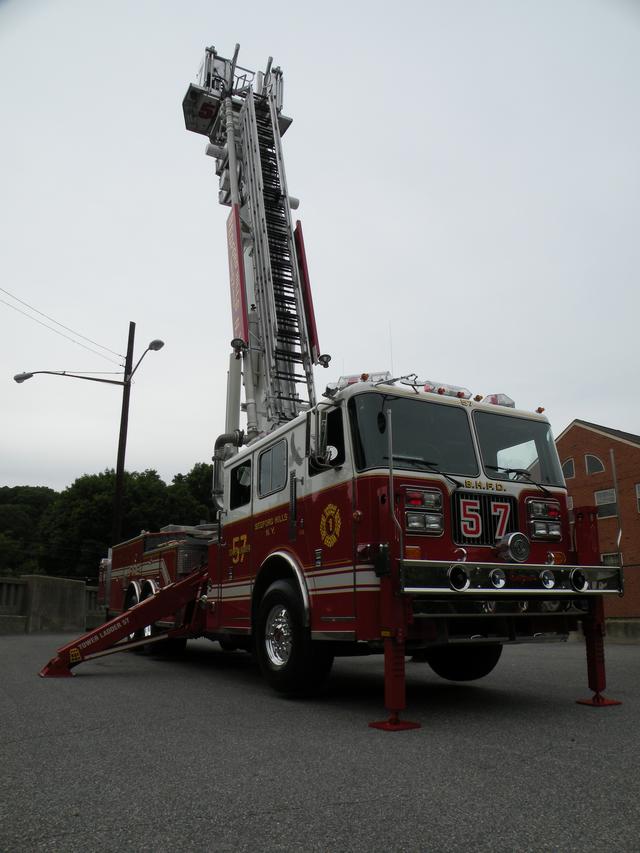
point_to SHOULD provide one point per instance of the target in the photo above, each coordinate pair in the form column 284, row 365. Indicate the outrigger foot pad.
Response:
column 395, row 724
column 598, row 701
column 56, row 668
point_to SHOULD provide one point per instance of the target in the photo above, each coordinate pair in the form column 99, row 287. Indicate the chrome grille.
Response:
column 489, row 519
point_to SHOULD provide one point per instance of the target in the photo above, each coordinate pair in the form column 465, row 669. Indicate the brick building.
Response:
column 586, row 451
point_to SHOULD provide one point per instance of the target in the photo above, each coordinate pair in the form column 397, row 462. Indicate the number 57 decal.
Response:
column 471, row 519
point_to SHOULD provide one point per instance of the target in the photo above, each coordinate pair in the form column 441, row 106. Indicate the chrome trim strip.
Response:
column 333, row 635
column 431, row 577
column 522, row 592
column 337, row 618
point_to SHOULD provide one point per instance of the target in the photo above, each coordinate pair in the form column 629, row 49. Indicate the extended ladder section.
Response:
column 273, row 324
column 278, row 294
column 126, row 631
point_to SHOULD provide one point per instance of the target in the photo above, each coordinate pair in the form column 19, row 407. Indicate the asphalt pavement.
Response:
column 141, row 754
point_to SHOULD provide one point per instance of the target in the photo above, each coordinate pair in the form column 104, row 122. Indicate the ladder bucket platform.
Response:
column 108, row 638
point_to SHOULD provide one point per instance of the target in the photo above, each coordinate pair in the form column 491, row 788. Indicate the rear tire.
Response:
column 130, row 601
column 289, row 661
column 172, row 647
column 148, row 631
column 463, row 663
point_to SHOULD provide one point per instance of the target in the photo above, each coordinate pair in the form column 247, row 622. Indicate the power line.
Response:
column 73, row 332
column 51, row 329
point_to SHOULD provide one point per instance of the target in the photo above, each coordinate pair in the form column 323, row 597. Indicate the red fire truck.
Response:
column 397, row 515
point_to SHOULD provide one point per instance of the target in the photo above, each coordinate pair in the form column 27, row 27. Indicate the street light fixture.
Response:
column 125, row 383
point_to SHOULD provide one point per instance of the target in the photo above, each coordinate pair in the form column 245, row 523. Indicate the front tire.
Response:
column 289, row 661
column 463, row 663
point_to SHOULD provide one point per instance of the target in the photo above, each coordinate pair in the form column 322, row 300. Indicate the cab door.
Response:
column 328, row 522
column 236, row 575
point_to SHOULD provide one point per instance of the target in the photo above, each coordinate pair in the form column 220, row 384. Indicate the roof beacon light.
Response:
column 447, row 390
column 354, row 378
column 499, row 400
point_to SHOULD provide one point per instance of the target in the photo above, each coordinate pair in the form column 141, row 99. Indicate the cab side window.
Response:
column 335, row 439
column 240, row 485
column 272, row 469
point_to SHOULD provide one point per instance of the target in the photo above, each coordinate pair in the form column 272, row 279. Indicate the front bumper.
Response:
column 521, row 580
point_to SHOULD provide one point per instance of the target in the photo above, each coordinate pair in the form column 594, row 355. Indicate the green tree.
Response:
column 198, row 483
column 21, row 508
column 75, row 531
column 11, row 557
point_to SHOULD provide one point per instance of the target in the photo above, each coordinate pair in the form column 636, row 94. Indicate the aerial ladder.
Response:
column 275, row 341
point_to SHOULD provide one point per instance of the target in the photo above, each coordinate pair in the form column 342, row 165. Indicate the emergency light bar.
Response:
column 447, row 390
column 499, row 400
column 354, row 378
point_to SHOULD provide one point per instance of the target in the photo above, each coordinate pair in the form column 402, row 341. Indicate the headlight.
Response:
column 424, row 522
column 546, row 530
column 544, row 509
column 415, row 520
column 426, row 499
column 544, row 519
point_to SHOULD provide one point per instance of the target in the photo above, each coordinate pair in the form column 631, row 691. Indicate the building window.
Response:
column 638, row 496
column 592, row 464
column 611, row 559
column 568, row 469
column 606, row 502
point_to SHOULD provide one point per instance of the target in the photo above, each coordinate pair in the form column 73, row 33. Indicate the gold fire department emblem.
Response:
column 330, row 525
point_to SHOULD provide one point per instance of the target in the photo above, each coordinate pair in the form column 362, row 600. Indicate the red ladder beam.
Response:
column 105, row 639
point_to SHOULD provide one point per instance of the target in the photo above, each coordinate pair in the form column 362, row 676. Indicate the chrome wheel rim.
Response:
column 278, row 636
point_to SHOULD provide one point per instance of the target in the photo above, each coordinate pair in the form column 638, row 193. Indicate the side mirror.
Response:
column 331, row 454
column 319, row 452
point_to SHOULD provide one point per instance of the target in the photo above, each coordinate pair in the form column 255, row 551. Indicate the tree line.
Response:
column 67, row 533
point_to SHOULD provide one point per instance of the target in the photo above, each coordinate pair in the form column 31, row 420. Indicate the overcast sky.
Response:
column 470, row 192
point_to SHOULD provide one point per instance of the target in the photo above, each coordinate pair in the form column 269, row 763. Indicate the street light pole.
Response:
column 116, row 533
column 155, row 345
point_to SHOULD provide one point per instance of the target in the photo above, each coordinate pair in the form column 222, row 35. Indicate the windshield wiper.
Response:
column 433, row 466
column 520, row 472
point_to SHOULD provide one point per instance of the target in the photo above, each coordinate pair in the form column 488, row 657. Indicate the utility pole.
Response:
column 116, row 534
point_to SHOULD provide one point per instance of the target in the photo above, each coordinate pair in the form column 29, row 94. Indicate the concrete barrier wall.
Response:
column 39, row 603
column 55, row 604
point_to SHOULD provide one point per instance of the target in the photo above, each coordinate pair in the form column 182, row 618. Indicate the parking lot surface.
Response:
column 138, row 753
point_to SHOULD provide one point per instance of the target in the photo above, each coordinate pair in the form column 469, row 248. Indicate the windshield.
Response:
column 518, row 449
column 426, row 436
